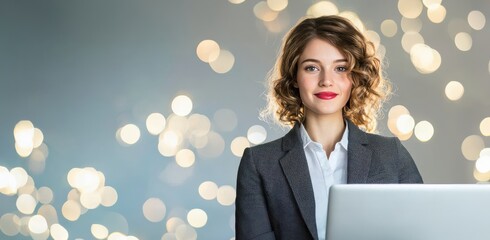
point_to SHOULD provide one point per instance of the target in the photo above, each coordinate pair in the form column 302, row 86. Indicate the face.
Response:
column 323, row 81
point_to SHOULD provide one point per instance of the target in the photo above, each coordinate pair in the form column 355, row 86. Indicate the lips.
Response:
column 326, row 95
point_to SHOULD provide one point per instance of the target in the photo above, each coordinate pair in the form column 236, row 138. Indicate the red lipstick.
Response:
column 326, row 95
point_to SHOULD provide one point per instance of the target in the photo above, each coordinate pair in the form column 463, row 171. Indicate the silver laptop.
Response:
column 409, row 212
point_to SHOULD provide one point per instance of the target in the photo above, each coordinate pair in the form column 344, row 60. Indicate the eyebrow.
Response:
column 317, row 61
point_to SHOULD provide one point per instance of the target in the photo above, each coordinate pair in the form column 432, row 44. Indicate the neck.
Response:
column 326, row 130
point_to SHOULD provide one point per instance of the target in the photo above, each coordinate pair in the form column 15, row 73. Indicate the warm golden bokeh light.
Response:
column 481, row 177
column 436, row 14
column 38, row 224
column 431, row 3
column 424, row 131
column 10, row 224
column 471, row 147
column 238, row 145
column 236, row 1
column 26, row 204
column 185, row 158
column 410, row 39
column 45, row 195
column 482, row 164
column 49, row 213
column 485, row 127
column 90, row 200
column 99, row 231
column 277, row 5
column 154, row 210
column 155, row 123
column 454, row 90
column 108, row 196
column 256, row 134
column 463, row 41
column 173, row 223
column 214, row 147
column 263, row 12
column 208, row 50
column 224, row 63
column 185, row 231
column 322, row 8
column 354, row 18
column 71, row 210
column 476, row 20
column 182, row 105
column 197, row 218
column 425, row 59
column 405, row 124
column 20, row 175
column 226, row 195
column 37, row 138
column 198, row 125
column 373, row 37
column 410, row 8
column 130, row 134
column 389, row 28
column 58, row 232
column 208, row 190
column 24, row 133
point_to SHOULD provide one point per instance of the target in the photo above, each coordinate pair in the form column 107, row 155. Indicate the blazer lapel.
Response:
column 295, row 169
column 358, row 155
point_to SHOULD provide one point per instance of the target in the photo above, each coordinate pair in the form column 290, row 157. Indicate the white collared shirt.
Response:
column 325, row 172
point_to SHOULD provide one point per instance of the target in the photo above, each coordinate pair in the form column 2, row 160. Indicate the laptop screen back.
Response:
column 409, row 212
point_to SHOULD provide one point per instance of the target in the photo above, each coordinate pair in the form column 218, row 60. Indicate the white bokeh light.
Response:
column 182, row 105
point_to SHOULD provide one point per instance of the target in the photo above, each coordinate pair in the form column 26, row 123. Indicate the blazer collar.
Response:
column 295, row 169
column 358, row 155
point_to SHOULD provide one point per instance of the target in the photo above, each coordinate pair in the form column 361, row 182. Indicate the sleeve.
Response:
column 408, row 172
column 251, row 214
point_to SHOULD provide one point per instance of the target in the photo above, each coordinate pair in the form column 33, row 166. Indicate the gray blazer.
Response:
column 274, row 191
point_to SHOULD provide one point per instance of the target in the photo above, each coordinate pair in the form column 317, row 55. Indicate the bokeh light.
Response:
column 471, row 147
column 410, row 8
column 26, row 204
column 482, row 164
column 476, row 20
column 485, row 127
column 155, row 123
column 431, row 3
column 263, row 12
column 10, row 224
column 354, row 18
column 185, row 158
column 99, row 231
column 236, row 1
column 214, row 147
column 208, row 50
column 154, row 210
column 224, row 63
column 173, row 223
column 454, row 90
column 410, row 39
column 182, row 105
column 256, row 134
column 322, row 8
column 425, row 59
column 208, row 190
column 226, row 195
column 45, row 195
column 238, row 145
column 58, row 232
column 277, row 5
column 130, row 134
column 38, row 224
column 463, row 41
column 197, row 218
column 389, row 28
column 411, row 25
column 424, row 131
column 49, row 213
column 436, row 14
column 71, row 210
column 405, row 123
column 185, row 231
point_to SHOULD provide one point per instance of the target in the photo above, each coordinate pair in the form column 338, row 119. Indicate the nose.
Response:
column 326, row 79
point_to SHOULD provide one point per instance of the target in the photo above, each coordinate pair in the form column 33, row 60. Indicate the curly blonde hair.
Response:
column 369, row 88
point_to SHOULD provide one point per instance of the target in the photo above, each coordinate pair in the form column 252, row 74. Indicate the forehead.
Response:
column 320, row 49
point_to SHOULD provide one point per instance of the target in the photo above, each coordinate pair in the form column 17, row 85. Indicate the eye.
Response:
column 311, row 68
column 341, row 69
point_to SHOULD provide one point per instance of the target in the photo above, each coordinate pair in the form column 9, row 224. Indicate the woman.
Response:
column 326, row 84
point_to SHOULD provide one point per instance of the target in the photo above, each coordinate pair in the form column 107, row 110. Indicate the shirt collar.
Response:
column 344, row 141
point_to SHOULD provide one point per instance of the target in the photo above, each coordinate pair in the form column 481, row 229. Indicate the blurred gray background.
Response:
column 80, row 70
